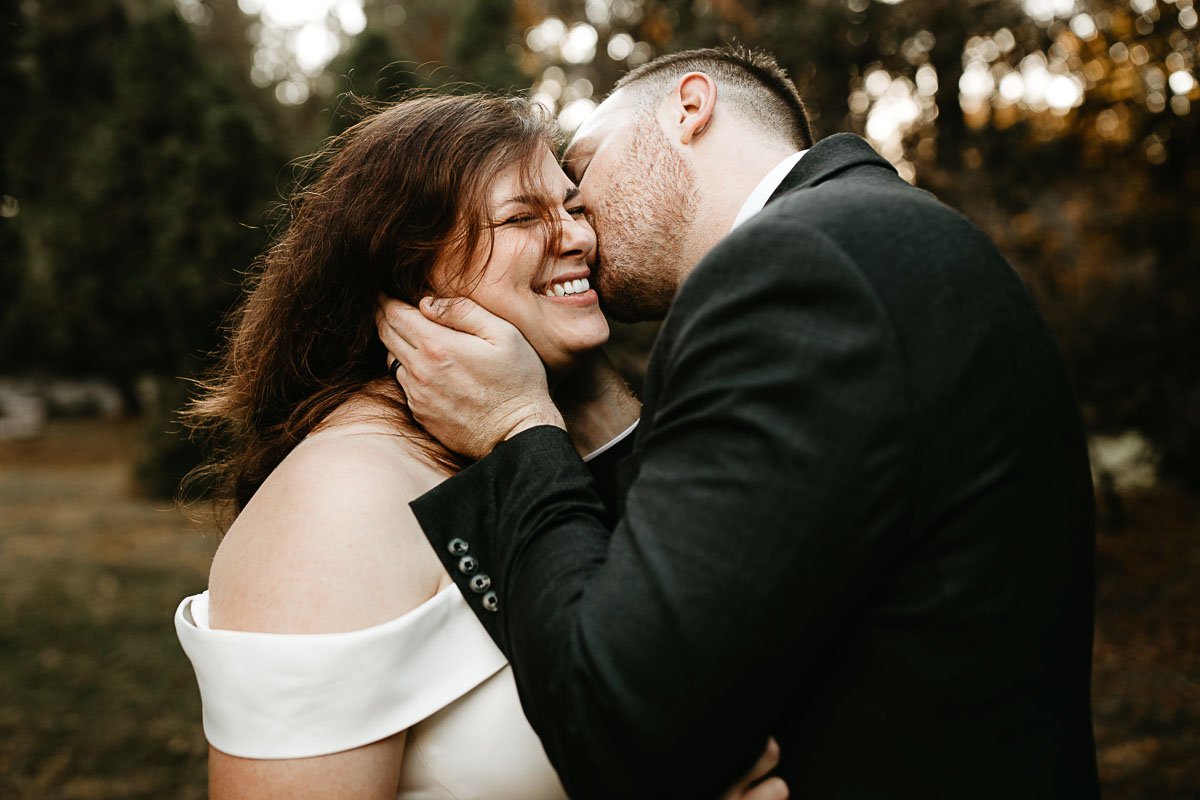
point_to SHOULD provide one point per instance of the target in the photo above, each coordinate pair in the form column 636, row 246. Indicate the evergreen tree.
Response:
column 13, row 97
column 139, row 170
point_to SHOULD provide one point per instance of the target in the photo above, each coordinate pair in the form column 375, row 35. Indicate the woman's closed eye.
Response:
column 520, row 219
column 527, row 218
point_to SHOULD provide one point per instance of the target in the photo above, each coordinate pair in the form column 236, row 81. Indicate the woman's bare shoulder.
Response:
column 328, row 543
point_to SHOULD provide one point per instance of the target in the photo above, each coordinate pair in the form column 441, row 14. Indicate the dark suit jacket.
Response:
column 858, row 516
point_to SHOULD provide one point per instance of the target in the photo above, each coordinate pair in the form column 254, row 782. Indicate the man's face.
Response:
column 641, row 199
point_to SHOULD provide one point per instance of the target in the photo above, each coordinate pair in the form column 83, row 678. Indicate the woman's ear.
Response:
column 695, row 99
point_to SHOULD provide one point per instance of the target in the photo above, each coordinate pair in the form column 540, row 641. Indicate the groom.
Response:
column 856, row 514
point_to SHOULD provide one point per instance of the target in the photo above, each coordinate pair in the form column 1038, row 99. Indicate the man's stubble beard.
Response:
column 642, row 227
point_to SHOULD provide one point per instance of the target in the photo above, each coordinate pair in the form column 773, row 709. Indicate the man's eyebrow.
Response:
column 573, row 155
column 571, row 193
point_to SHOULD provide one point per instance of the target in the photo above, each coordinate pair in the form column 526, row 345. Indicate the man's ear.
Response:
column 693, row 103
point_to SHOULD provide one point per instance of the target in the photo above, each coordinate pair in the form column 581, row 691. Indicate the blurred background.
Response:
column 146, row 145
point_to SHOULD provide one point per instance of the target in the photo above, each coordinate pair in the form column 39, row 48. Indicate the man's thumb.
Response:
column 461, row 314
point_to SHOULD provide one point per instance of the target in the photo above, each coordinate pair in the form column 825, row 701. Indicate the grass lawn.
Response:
column 98, row 701
column 96, row 698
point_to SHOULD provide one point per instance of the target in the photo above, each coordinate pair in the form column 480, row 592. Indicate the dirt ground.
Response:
column 98, row 701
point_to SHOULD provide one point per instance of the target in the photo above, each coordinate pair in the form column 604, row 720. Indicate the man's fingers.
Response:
column 770, row 789
column 766, row 762
column 406, row 323
column 767, row 790
column 464, row 314
column 393, row 321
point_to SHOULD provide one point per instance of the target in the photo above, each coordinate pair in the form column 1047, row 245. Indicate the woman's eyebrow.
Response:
column 569, row 194
column 523, row 199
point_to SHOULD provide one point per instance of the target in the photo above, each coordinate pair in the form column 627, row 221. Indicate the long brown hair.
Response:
column 403, row 190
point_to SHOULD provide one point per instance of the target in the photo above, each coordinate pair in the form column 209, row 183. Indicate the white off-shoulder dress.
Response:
column 433, row 671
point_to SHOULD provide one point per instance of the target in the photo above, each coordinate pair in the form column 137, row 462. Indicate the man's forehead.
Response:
column 607, row 117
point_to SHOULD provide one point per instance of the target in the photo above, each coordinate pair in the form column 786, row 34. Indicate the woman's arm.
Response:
column 327, row 545
column 365, row 773
column 596, row 403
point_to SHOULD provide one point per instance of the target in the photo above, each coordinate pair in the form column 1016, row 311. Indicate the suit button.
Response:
column 491, row 602
column 458, row 547
column 480, row 583
column 467, row 565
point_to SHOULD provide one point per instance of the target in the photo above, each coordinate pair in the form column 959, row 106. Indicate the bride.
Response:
column 334, row 655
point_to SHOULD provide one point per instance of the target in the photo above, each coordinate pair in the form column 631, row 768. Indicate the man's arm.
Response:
column 654, row 663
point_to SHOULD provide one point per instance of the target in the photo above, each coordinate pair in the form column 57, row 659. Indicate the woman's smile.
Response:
column 573, row 290
column 550, row 259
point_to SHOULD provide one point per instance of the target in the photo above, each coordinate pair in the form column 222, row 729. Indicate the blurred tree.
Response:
column 464, row 45
column 485, row 48
column 12, row 97
column 137, row 167
column 371, row 68
column 138, row 163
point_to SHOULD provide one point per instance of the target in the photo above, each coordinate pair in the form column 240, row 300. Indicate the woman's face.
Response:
column 552, row 303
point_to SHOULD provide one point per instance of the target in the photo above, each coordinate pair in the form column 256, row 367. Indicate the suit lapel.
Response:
column 827, row 158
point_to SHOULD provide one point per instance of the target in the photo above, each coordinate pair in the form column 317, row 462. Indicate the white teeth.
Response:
column 568, row 287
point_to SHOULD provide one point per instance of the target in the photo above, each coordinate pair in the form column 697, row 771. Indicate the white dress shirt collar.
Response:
column 766, row 187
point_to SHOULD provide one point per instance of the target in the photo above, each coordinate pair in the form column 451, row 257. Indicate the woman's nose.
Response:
column 577, row 238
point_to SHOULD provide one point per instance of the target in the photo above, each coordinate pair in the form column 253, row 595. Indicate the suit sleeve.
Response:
column 656, row 661
column 603, row 467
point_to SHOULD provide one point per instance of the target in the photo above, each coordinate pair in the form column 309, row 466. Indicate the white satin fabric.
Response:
column 434, row 672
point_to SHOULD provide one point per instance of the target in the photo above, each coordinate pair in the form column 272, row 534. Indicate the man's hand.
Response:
column 471, row 378
column 753, row 786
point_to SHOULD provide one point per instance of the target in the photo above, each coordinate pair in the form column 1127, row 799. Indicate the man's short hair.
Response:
column 751, row 80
